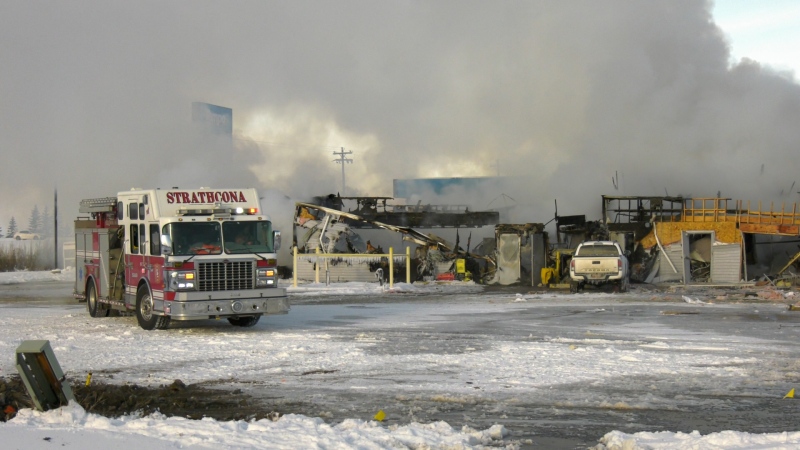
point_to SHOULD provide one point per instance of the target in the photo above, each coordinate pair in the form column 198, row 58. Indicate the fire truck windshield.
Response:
column 194, row 238
column 248, row 236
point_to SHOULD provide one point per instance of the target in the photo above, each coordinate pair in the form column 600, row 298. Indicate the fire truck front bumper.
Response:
column 206, row 305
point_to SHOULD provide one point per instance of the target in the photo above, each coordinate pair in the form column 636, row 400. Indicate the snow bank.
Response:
column 617, row 440
column 25, row 276
column 72, row 427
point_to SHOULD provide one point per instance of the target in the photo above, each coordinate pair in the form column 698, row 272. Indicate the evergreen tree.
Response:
column 47, row 223
column 12, row 227
column 1, row 231
column 35, row 223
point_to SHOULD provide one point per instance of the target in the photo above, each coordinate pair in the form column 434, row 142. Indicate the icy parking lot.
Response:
column 553, row 369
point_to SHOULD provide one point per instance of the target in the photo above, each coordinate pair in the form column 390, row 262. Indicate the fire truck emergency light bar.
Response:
column 215, row 211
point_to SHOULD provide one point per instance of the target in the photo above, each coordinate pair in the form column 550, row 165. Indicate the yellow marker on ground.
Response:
column 790, row 394
column 89, row 378
column 380, row 416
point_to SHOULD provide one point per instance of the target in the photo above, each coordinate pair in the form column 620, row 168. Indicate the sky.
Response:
column 95, row 98
column 719, row 362
column 768, row 32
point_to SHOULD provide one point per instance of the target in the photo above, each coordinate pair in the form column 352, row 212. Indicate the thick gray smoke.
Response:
column 95, row 97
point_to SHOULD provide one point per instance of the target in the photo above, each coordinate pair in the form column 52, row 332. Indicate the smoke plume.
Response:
column 95, row 97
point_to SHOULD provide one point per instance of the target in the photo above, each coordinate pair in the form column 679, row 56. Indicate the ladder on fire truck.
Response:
column 98, row 205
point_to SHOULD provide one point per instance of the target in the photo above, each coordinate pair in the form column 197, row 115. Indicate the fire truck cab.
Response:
column 178, row 254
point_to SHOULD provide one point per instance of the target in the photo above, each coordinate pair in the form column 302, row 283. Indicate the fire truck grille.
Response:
column 230, row 276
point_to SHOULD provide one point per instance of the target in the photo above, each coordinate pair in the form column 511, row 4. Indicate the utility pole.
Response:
column 55, row 228
column 342, row 160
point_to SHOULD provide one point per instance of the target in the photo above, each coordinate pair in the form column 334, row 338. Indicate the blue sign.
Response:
column 439, row 186
column 216, row 119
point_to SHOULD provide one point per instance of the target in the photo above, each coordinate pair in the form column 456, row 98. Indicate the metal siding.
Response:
column 508, row 259
column 665, row 272
column 339, row 272
column 726, row 262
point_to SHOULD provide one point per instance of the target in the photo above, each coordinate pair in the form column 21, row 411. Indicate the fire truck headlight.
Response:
column 181, row 281
column 265, row 277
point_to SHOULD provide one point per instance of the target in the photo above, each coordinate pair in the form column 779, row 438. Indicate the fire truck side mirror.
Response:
column 277, row 240
column 166, row 245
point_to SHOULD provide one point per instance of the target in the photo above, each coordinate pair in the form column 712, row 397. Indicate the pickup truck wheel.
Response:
column 248, row 321
column 92, row 305
column 144, row 311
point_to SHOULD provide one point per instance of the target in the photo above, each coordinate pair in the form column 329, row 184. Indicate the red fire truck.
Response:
column 178, row 254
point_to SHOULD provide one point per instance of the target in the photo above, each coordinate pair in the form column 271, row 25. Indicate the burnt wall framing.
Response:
column 633, row 214
column 379, row 209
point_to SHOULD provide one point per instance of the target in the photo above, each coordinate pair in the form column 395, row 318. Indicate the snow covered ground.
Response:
column 280, row 348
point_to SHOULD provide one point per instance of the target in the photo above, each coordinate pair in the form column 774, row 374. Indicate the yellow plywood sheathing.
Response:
column 670, row 232
column 713, row 214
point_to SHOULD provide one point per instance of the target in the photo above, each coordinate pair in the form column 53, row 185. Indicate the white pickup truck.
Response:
column 599, row 263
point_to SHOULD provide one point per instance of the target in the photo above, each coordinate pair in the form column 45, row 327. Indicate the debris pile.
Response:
column 13, row 397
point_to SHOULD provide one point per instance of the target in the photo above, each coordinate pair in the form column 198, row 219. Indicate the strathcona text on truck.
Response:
column 178, row 254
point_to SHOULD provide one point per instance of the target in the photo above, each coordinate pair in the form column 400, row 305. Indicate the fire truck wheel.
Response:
column 144, row 311
column 248, row 321
column 92, row 305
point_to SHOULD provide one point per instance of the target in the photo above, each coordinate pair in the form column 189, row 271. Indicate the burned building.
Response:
column 692, row 240
column 325, row 227
column 520, row 255
column 390, row 211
